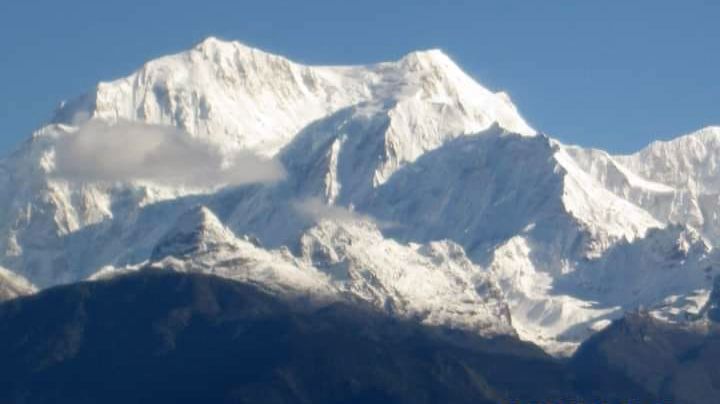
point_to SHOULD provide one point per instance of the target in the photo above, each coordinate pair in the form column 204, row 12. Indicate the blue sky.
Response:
column 610, row 74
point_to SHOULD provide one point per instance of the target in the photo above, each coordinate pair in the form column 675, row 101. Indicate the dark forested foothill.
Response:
column 159, row 336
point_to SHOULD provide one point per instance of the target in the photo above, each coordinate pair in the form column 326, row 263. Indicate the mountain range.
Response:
column 405, row 185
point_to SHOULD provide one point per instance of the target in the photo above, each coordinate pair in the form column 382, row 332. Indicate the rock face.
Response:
column 408, row 185
column 713, row 304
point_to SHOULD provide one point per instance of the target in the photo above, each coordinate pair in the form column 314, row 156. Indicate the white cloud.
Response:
column 315, row 210
column 129, row 151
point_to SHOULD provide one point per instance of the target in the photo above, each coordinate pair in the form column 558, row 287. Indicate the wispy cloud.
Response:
column 129, row 151
column 315, row 210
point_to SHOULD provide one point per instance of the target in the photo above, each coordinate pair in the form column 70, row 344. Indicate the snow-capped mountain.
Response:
column 237, row 96
column 407, row 185
column 675, row 181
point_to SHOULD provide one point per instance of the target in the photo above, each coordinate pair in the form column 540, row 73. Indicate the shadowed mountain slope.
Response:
column 160, row 336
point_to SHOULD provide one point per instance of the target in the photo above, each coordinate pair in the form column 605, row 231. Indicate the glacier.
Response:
column 408, row 185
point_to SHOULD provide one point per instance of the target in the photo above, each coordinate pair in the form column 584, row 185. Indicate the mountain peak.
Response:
column 688, row 162
column 426, row 58
column 703, row 135
column 200, row 217
column 212, row 41
column 215, row 45
column 436, row 64
column 196, row 231
column 200, row 91
column 706, row 133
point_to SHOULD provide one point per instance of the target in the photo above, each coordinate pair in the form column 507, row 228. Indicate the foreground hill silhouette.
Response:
column 679, row 364
column 160, row 336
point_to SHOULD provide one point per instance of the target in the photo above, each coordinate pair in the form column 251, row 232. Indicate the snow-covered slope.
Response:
column 198, row 241
column 237, row 96
column 687, row 162
column 435, row 283
column 482, row 190
column 231, row 97
column 676, row 181
column 408, row 185
column 13, row 285
column 709, row 311
column 346, row 259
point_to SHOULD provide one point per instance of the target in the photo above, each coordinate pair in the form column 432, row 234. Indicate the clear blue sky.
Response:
column 611, row 74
